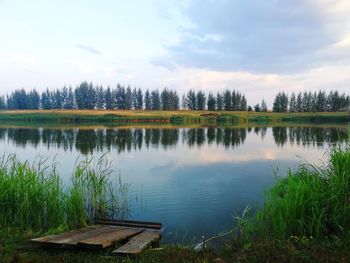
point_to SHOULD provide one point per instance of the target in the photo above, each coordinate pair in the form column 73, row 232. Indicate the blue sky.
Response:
column 257, row 47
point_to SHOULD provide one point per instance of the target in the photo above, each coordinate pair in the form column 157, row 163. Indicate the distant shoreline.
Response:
column 162, row 117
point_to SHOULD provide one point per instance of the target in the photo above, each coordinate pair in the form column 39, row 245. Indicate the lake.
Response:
column 194, row 179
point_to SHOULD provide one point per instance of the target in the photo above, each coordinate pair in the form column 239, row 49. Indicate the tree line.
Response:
column 89, row 96
column 311, row 102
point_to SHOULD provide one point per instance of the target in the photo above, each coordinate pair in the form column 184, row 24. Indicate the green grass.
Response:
column 310, row 201
column 33, row 197
column 175, row 117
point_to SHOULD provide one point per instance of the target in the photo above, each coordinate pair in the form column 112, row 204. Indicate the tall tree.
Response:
column 139, row 100
column 128, row 98
column 165, row 99
column 70, row 103
column 100, row 98
column 34, row 100
column 244, row 104
column 120, row 95
column 2, row 103
column 109, row 101
column 155, row 100
column 46, row 100
column 280, row 103
column 219, row 102
column 201, row 100
column 293, row 103
column 263, row 106
column 211, row 102
column 227, row 101
column 81, row 95
column 257, row 108
column 148, row 101
column 134, row 98
column 191, row 100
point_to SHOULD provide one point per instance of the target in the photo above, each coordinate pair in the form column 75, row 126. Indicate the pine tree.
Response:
column 243, row 106
column 139, row 100
column 128, row 98
column 293, row 103
column 165, row 99
column 81, row 95
column 2, row 103
column 299, row 106
column 34, row 100
column 211, row 102
column 70, row 103
column 201, row 99
column 155, row 98
column 148, row 101
column 46, row 100
column 219, row 102
column 257, row 108
column 134, row 98
column 120, row 96
column 100, row 94
column 108, row 98
column 227, row 101
column 263, row 106
column 321, row 104
column 280, row 103
column 175, row 101
column 191, row 100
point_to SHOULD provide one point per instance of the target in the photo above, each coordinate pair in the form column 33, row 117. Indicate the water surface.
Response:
column 192, row 179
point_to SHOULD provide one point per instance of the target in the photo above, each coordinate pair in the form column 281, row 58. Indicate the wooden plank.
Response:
column 71, row 238
column 131, row 224
column 108, row 239
column 129, row 221
column 138, row 243
column 67, row 234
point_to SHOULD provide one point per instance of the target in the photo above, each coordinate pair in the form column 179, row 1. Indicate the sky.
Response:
column 257, row 47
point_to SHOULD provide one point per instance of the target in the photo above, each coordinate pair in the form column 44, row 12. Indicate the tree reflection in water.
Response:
column 122, row 139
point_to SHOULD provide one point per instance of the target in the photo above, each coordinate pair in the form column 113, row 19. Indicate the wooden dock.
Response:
column 127, row 237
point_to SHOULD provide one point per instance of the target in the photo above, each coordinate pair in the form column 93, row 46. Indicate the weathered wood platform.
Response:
column 129, row 237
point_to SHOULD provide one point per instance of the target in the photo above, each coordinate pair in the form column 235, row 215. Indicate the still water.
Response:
column 195, row 180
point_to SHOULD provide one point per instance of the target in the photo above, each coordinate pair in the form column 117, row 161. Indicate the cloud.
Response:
column 277, row 36
column 88, row 49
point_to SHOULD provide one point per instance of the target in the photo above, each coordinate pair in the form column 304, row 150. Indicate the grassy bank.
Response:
column 310, row 202
column 33, row 197
column 176, row 117
column 305, row 217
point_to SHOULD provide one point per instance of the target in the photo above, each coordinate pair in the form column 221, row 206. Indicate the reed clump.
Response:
column 33, row 196
column 309, row 202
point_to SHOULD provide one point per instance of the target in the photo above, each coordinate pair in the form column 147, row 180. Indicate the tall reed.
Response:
column 309, row 201
column 34, row 197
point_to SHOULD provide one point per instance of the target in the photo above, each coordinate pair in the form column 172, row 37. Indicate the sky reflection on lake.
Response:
column 194, row 180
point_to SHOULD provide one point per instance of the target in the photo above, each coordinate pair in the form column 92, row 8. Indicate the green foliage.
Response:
column 148, row 101
column 85, row 96
column 191, row 100
column 3, row 105
column 155, row 100
column 211, row 102
column 310, row 201
column 281, row 102
column 34, row 198
column 201, row 99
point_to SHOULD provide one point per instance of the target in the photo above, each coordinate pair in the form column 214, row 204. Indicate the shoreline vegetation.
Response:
column 305, row 216
column 119, row 117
